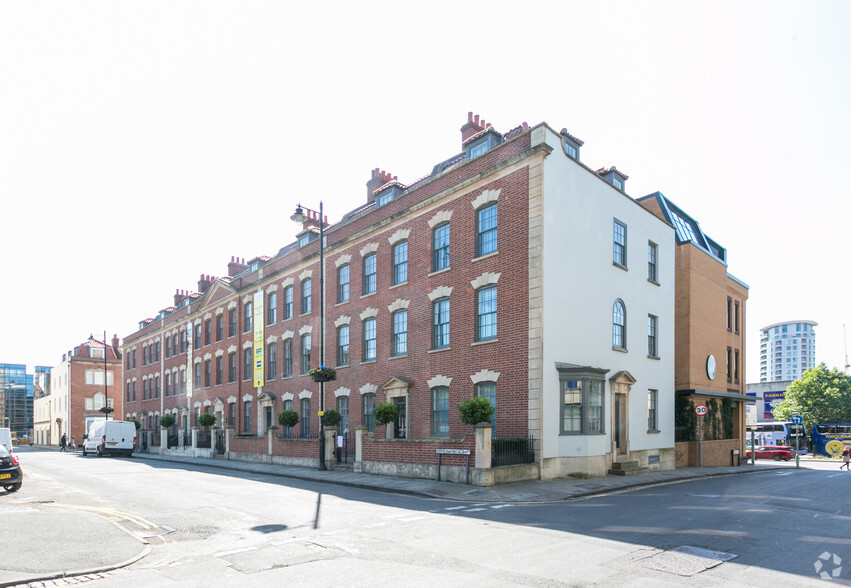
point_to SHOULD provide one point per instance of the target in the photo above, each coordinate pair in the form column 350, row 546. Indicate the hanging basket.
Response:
column 322, row 374
column 321, row 378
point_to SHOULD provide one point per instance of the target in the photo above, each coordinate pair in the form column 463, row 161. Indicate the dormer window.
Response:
column 388, row 194
column 482, row 145
column 613, row 176
column 570, row 144
column 303, row 240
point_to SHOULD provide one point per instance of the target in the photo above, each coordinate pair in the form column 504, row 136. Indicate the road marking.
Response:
column 232, row 551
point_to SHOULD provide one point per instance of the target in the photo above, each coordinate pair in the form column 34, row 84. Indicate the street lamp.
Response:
column 301, row 217
column 105, row 393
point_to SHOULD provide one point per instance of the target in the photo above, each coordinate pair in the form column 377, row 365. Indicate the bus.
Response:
column 830, row 439
column 778, row 434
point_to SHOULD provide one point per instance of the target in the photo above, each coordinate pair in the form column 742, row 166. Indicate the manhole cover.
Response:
column 686, row 560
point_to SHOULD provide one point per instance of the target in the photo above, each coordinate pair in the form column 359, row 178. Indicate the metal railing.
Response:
column 512, row 450
column 155, row 439
column 205, row 439
column 172, row 441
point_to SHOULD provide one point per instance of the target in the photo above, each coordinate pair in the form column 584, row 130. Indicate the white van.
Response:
column 110, row 438
column 6, row 438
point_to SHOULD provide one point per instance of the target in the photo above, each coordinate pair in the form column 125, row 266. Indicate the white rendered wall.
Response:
column 580, row 286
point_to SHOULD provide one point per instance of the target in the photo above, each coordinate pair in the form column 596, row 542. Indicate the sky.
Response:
column 143, row 144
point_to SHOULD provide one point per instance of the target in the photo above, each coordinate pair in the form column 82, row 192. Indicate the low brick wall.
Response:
column 715, row 453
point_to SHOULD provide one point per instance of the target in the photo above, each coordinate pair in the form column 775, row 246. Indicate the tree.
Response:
column 385, row 412
column 166, row 420
column 288, row 418
column 331, row 418
column 820, row 396
column 475, row 410
column 206, row 419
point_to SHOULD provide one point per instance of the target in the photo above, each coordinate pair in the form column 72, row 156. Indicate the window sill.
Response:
column 398, row 356
column 623, row 267
column 656, row 357
column 405, row 283
column 341, row 302
column 485, row 342
column 439, row 349
column 437, row 272
column 368, row 361
column 485, row 256
column 654, row 282
column 653, row 431
column 620, row 349
column 368, row 294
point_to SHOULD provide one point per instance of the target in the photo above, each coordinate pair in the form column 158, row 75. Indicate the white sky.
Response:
column 145, row 143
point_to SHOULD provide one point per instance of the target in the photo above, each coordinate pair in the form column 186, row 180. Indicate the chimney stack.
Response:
column 204, row 283
column 116, row 343
column 472, row 126
column 236, row 266
column 378, row 179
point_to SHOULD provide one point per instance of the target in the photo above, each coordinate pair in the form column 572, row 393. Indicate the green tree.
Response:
column 820, row 396
column 166, row 421
column 475, row 410
column 385, row 413
column 206, row 419
column 288, row 418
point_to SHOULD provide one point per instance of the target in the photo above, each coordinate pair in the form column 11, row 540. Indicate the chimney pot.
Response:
column 470, row 116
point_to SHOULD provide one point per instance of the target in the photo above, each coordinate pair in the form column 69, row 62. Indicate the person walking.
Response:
column 846, row 459
column 63, row 442
column 73, row 445
column 31, row 443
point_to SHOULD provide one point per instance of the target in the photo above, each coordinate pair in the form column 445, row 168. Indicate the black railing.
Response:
column 512, row 450
column 342, row 449
column 155, row 439
column 205, row 439
column 187, row 439
column 681, row 434
column 220, row 443
column 172, row 441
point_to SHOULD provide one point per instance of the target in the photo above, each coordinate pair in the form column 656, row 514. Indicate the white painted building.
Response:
column 605, row 292
column 786, row 350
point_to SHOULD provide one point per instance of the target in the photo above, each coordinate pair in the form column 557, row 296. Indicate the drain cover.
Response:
column 686, row 560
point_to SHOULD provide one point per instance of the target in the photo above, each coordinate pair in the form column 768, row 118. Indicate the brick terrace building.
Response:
column 76, row 393
column 512, row 271
column 710, row 334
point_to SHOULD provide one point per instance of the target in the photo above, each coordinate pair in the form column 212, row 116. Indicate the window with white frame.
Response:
column 440, row 411
column 288, row 302
column 305, row 353
column 400, row 262
column 370, row 273
column 440, row 247
column 652, row 415
column 581, row 400
column 486, row 313
column 288, row 357
column 400, row 332
column 369, row 341
column 619, row 325
column 652, row 255
column 440, row 324
column 652, row 349
column 343, row 345
column 306, row 298
column 488, row 390
column 343, row 283
column 272, row 309
column 486, row 229
column 619, row 243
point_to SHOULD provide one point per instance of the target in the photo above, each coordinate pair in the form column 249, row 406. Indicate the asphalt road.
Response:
column 201, row 526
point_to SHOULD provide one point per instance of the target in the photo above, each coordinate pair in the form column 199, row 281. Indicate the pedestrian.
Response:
column 31, row 442
column 846, row 459
column 63, row 442
column 73, row 444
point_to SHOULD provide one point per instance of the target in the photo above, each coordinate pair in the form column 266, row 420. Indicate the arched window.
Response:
column 619, row 325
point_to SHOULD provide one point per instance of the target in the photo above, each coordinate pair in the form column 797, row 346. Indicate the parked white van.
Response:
column 6, row 438
column 110, row 438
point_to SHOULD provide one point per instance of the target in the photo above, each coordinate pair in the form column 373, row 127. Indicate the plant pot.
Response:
column 321, row 378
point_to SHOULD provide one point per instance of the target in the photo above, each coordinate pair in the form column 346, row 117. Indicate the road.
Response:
column 210, row 527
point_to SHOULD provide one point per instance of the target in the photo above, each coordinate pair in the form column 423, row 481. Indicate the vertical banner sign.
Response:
column 258, row 339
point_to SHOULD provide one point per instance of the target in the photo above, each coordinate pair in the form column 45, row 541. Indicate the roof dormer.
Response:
column 570, row 144
column 614, row 177
column 481, row 143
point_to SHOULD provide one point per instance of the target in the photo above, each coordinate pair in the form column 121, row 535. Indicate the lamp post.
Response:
column 301, row 217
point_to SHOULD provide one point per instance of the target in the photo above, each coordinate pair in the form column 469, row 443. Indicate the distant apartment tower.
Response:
column 786, row 350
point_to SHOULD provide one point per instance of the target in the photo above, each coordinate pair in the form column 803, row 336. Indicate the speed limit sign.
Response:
column 700, row 410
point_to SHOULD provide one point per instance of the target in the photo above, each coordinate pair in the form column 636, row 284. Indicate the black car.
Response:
column 11, row 476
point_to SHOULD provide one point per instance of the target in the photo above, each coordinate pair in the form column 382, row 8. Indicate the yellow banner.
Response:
column 259, row 350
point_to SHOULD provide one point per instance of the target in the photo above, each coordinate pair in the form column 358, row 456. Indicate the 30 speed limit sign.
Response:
column 700, row 410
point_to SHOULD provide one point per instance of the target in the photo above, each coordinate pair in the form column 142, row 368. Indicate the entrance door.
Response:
column 621, row 443
column 399, row 427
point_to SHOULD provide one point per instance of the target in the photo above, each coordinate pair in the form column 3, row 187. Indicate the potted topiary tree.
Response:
column 288, row 418
column 135, row 422
column 206, row 419
column 166, row 421
column 386, row 413
column 331, row 418
column 475, row 410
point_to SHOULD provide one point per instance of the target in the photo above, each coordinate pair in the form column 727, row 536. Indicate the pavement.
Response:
column 64, row 567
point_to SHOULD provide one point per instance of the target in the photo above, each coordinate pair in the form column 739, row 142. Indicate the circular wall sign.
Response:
column 710, row 367
column 700, row 410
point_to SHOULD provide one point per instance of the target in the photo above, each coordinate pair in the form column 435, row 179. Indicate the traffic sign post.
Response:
column 700, row 410
column 798, row 421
